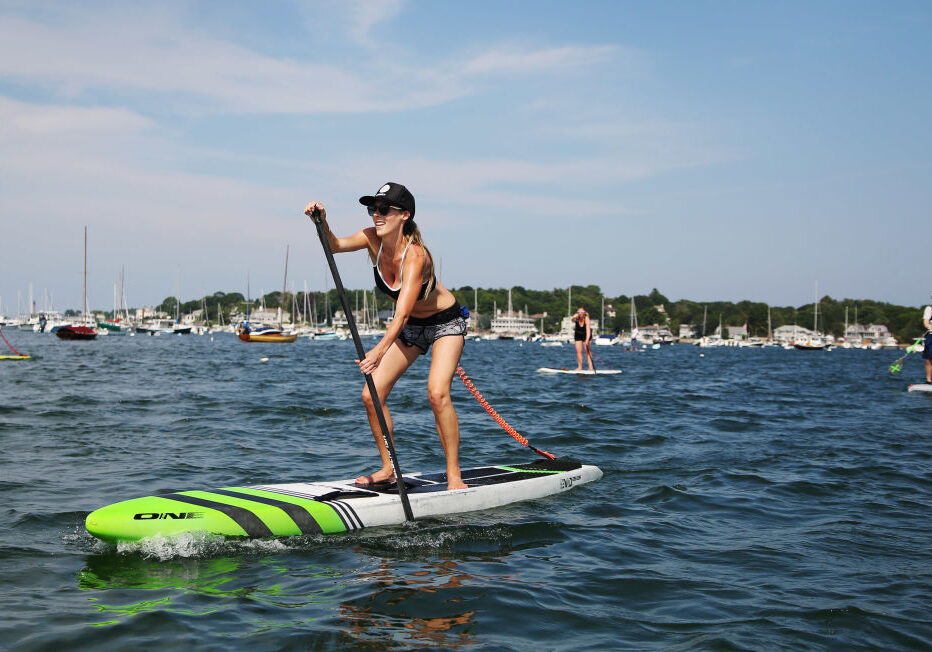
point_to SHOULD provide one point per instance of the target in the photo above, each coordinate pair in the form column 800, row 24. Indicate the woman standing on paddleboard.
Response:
column 927, row 342
column 425, row 313
column 582, row 334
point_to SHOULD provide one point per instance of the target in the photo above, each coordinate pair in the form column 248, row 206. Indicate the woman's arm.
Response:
column 362, row 239
column 588, row 329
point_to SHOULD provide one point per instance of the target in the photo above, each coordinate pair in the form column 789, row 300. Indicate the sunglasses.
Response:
column 381, row 210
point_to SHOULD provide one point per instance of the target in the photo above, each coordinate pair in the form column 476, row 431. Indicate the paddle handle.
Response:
column 360, row 351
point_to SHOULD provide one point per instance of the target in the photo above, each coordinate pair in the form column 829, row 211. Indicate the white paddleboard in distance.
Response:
column 583, row 372
column 920, row 387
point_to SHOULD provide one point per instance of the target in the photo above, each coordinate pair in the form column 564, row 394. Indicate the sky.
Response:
column 722, row 150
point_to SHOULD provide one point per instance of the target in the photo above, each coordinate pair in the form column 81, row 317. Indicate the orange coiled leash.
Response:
column 498, row 418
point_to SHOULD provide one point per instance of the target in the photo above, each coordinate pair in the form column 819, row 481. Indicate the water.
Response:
column 752, row 499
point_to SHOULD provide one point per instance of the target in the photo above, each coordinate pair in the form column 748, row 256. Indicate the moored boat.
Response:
column 270, row 335
column 79, row 331
column 74, row 332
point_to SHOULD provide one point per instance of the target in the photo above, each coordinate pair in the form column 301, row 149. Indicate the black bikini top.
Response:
column 392, row 293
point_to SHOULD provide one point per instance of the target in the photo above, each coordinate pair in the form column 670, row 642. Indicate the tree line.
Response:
column 904, row 322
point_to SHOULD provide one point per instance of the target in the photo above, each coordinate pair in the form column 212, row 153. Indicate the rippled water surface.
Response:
column 752, row 499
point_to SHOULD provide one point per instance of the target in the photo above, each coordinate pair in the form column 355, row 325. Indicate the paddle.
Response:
column 589, row 350
column 325, row 242
column 898, row 363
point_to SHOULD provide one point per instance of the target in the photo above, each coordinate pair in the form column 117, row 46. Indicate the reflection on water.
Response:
column 399, row 594
column 213, row 584
column 105, row 573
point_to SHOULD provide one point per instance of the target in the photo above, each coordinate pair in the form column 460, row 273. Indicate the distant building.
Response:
column 737, row 332
column 872, row 332
column 267, row 316
column 655, row 333
column 512, row 324
column 789, row 334
column 688, row 331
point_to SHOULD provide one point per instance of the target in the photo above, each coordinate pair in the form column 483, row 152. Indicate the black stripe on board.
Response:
column 301, row 517
column 347, row 514
column 251, row 524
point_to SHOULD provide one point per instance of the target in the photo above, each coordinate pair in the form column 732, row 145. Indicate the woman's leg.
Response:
column 393, row 364
column 578, row 355
column 446, row 356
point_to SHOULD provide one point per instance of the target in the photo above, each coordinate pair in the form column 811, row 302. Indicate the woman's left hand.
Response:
column 369, row 364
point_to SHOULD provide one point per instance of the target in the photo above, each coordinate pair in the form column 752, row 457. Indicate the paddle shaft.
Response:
column 896, row 366
column 589, row 352
column 351, row 321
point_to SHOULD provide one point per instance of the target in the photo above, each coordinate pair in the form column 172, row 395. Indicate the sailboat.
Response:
column 118, row 324
column 816, row 343
column 79, row 331
column 269, row 334
column 633, row 319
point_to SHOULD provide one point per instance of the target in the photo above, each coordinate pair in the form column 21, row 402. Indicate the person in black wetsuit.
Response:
column 426, row 313
column 582, row 334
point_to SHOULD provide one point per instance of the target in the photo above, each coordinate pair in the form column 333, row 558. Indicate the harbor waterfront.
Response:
column 752, row 499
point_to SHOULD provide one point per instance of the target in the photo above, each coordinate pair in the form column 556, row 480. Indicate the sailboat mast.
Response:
column 815, row 310
column 85, row 274
column 281, row 308
column 306, row 306
column 123, row 307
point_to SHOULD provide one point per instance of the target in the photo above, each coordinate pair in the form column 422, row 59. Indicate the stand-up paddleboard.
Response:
column 307, row 508
column 920, row 387
column 15, row 357
column 584, row 372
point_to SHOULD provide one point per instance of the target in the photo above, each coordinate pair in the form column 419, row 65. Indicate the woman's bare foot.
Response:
column 379, row 477
column 455, row 481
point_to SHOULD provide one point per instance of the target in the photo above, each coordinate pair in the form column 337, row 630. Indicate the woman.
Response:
column 582, row 334
column 927, row 342
column 425, row 313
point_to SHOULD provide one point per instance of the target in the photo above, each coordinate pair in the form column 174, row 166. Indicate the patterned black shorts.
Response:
column 424, row 331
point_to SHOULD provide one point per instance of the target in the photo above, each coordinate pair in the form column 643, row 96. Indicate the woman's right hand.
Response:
column 316, row 205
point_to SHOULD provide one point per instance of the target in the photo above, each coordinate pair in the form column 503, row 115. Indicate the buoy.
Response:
column 702, row 355
column 263, row 359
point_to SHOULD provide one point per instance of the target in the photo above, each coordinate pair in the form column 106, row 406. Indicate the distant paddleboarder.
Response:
column 927, row 342
column 426, row 313
column 582, row 334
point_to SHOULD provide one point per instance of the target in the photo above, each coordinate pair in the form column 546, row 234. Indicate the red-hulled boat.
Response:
column 75, row 332
column 78, row 331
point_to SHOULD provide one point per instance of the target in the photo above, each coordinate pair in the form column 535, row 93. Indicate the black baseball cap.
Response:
column 393, row 194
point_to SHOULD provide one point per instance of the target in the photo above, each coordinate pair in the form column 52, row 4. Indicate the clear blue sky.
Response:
column 714, row 150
